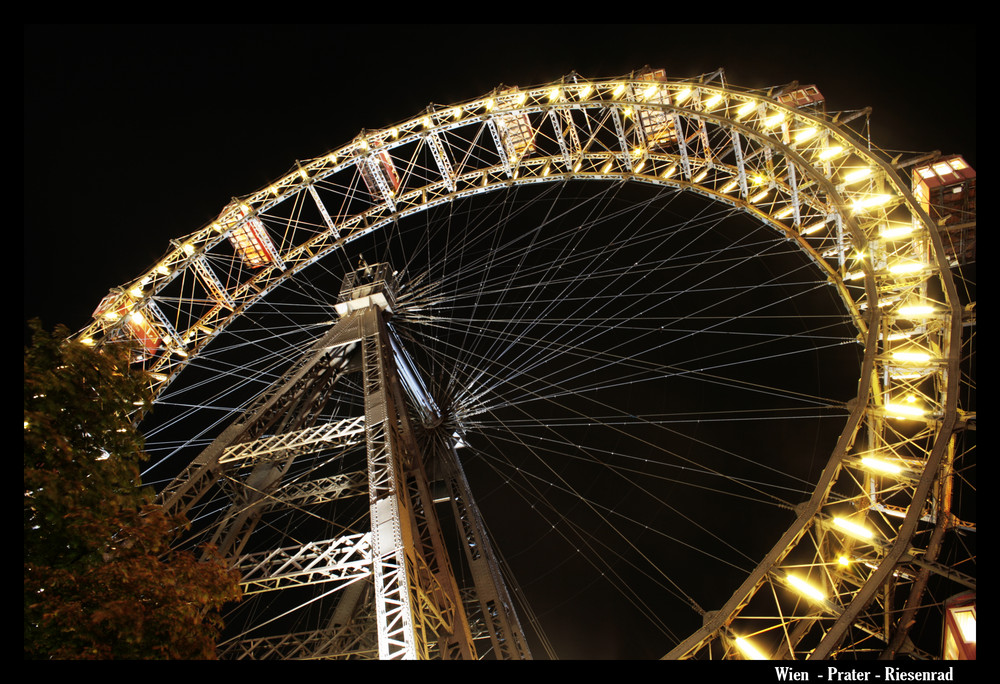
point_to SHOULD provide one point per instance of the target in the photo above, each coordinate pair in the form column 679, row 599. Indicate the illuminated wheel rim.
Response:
column 791, row 169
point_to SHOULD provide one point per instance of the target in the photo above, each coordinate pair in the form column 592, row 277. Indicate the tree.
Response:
column 100, row 577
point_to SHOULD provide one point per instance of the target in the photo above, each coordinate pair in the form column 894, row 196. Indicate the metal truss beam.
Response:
column 326, row 435
column 327, row 358
column 321, row 490
column 354, row 640
column 333, row 560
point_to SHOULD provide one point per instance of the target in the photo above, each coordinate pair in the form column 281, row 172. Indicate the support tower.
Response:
column 335, row 455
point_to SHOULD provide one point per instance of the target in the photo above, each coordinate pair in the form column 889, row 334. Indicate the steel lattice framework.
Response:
column 794, row 168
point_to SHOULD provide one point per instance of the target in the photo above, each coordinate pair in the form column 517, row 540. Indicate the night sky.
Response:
column 137, row 135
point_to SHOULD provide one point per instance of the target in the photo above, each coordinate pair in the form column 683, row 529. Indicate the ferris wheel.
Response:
column 663, row 346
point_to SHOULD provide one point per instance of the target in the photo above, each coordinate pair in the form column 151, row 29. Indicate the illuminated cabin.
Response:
column 806, row 96
column 960, row 627
column 250, row 240
column 379, row 173
column 946, row 190
column 112, row 309
column 516, row 133
column 658, row 127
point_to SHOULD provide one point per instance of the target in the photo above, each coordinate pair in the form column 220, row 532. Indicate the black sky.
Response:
column 134, row 135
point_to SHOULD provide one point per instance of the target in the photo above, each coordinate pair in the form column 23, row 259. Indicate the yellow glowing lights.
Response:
column 906, row 267
column 650, row 91
column 857, row 175
column 895, row 232
column 585, row 91
column 881, row 465
column 805, row 588
column 853, row 529
column 830, row 152
column 774, row 120
column 843, row 560
column 670, row 171
column 683, row 95
column 619, row 89
column 749, row 650
column 805, row 134
column 808, row 230
column 917, row 310
column 966, row 621
column 746, row 109
column 911, row 357
column 700, row 177
column 871, row 202
column 730, row 186
column 760, row 196
column 907, row 410
column 713, row 101
column 554, row 95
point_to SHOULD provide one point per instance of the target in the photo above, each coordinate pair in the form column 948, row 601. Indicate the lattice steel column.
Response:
column 416, row 594
column 395, row 580
column 494, row 602
column 390, row 533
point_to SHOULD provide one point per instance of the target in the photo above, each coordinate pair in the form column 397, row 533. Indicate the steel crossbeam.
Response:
column 492, row 123
column 348, row 641
column 626, row 156
column 331, row 226
column 212, row 282
column 332, row 560
column 320, row 490
column 441, row 159
column 327, row 434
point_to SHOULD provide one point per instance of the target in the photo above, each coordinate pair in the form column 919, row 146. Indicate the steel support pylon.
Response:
column 346, row 587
